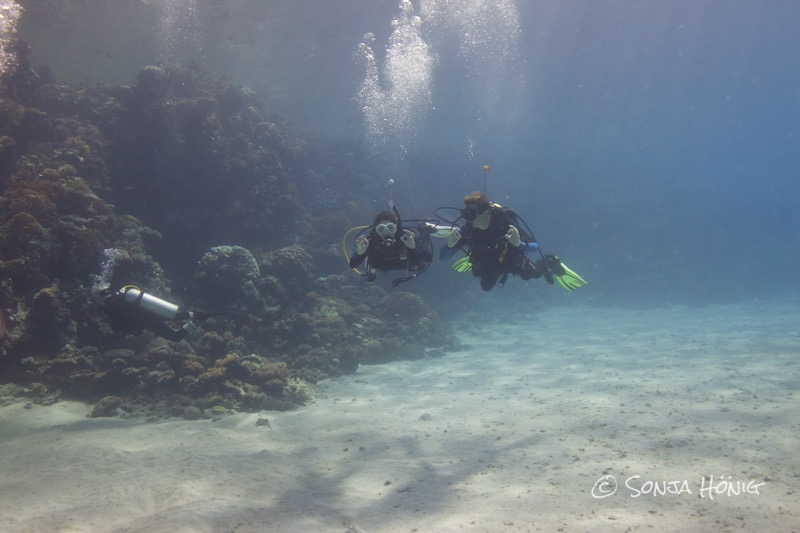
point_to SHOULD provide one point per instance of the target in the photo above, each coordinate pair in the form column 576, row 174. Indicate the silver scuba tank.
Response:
column 148, row 302
column 438, row 230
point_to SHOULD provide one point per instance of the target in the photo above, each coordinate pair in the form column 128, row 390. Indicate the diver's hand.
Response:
column 408, row 239
column 453, row 238
column 554, row 265
column 361, row 245
column 513, row 236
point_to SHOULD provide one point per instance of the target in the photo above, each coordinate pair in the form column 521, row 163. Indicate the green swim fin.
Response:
column 567, row 278
column 463, row 264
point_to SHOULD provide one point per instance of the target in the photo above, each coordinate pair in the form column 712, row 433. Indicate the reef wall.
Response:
column 187, row 188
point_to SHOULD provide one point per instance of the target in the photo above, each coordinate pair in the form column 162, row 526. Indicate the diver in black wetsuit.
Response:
column 390, row 246
column 495, row 244
column 130, row 310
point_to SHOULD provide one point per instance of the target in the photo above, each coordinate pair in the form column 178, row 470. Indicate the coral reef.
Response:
column 103, row 187
column 226, row 278
column 292, row 265
column 107, row 406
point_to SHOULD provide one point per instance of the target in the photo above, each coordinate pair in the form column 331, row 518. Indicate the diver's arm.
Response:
column 357, row 259
column 407, row 238
column 512, row 236
column 362, row 246
column 513, row 219
column 455, row 238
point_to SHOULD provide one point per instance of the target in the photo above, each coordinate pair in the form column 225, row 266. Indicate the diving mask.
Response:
column 386, row 229
column 471, row 212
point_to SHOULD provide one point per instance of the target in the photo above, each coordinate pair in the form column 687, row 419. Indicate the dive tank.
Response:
column 438, row 230
column 157, row 306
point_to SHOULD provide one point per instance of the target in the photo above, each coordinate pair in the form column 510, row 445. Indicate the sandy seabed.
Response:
column 577, row 419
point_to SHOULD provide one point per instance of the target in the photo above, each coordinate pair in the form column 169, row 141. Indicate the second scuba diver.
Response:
column 131, row 310
column 496, row 246
column 390, row 246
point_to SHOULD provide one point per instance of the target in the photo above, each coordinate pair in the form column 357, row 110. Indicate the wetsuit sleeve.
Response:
column 356, row 259
column 466, row 234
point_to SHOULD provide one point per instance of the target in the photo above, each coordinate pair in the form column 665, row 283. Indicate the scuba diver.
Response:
column 390, row 245
column 495, row 246
column 131, row 310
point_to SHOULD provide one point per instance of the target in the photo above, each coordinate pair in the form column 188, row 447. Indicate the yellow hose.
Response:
column 344, row 246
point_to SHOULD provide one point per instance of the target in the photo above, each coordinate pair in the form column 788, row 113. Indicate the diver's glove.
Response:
column 408, row 239
column 513, row 236
column 565, row 277
column 361, row 245
column 453, row 238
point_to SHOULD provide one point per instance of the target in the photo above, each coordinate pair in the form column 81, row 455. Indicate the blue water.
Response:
column 652, row 145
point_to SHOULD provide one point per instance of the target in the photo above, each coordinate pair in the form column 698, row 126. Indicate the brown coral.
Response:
column 291, row 262
column 8, row 157
column 273, row 376
column 49, row 325
column 405, row 306
column 229, row 360
column 107, row 406
column 192, row 366
column 212, row 376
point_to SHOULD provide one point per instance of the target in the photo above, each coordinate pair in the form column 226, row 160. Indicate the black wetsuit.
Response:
column 492, row 256
column 384, row 256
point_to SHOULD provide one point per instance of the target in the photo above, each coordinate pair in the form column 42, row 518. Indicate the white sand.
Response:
column 510, row 435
